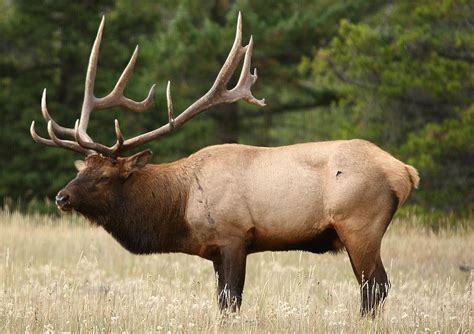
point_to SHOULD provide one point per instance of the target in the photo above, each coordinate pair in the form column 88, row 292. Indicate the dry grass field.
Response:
column 61, row 275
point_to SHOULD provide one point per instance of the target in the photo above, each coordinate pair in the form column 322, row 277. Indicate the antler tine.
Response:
column 44, row 110
column 118, row 134
column 89, row 98
column 54, row 127
column 61, row 130
column 97, row 147
column 40, row 140
column 218, row 94
column 233, row 59
column 55, row 141
column 169, row 102
column 122, row 81
column 116, row 98
column 247, row 79
column 48, row 142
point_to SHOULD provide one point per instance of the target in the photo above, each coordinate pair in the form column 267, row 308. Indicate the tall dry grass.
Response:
column 62, row 275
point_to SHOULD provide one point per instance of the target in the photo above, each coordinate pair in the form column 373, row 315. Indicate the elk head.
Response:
column 104, row 172
column 99, row 182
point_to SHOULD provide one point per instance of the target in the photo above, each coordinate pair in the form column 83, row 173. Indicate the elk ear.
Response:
column 80, row 165
column 134, row 163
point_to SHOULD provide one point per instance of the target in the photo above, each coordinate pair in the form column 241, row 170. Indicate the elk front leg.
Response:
column 230, row 271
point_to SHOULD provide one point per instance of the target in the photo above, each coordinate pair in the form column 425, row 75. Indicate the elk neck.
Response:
column 148, row 214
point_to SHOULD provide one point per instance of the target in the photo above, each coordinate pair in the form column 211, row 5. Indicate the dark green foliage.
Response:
column 397, row 74
column 404, row 78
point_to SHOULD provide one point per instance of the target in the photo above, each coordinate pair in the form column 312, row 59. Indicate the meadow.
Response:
column 62, row 275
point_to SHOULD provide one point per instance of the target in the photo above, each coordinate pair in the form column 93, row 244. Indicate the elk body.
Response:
column 227, row 201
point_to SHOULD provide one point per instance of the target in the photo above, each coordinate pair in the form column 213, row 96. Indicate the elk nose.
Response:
column 62, row 199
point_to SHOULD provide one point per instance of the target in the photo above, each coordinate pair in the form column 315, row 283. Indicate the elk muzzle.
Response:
column 63, row 201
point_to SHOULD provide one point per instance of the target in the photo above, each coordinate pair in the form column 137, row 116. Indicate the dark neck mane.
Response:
column 148, row 216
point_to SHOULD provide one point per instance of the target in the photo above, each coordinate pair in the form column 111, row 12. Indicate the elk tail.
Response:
column 408, row 180
column 413, row 175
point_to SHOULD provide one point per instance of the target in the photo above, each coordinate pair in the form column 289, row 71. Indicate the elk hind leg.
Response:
column 374, row 290
column 363, row 247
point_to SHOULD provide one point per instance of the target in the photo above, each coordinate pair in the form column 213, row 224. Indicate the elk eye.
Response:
column 104, row 179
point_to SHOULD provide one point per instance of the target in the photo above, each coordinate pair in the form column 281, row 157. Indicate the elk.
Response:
column 225, row 202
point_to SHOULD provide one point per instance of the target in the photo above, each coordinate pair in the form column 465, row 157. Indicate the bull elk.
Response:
column 227, row 201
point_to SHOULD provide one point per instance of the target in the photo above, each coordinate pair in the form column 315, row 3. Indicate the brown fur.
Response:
column 161, row 227
column 227, row 201
column 144, row 212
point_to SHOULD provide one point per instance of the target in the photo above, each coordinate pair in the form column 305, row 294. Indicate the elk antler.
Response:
column 218, row 94
column 83, row 142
